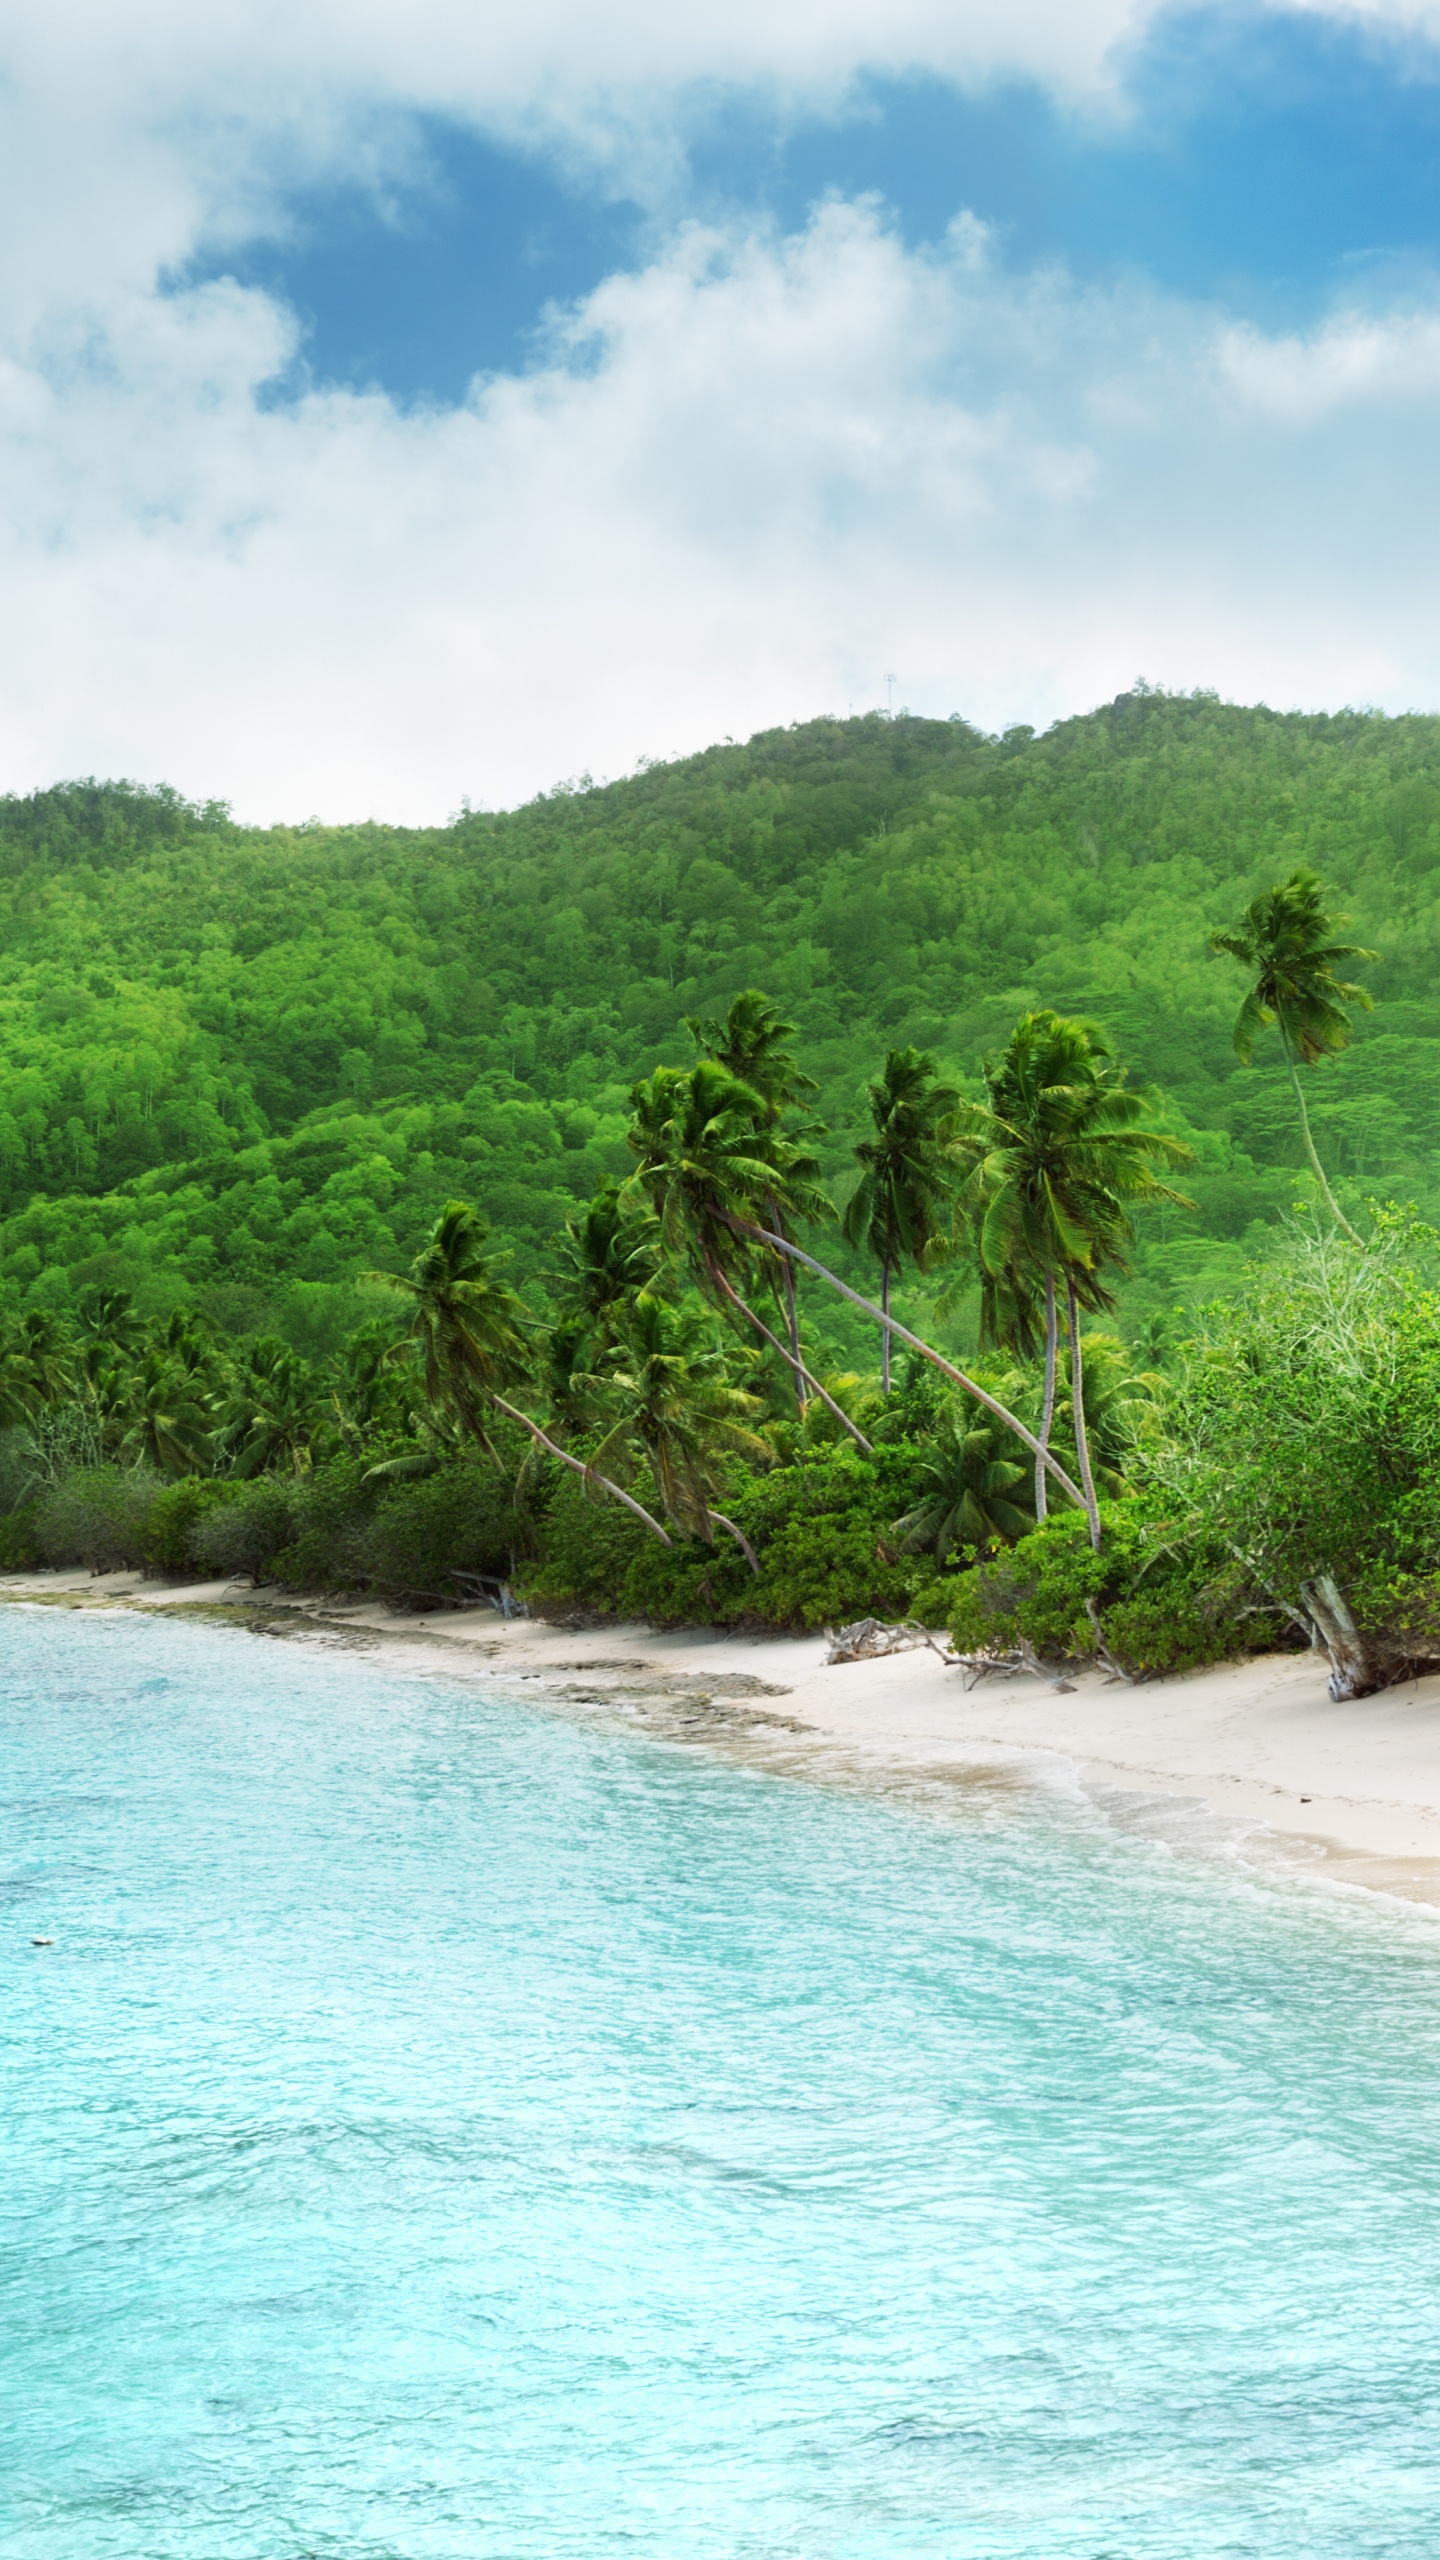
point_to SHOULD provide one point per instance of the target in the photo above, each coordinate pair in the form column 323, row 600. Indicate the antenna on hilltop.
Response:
column 889, row 697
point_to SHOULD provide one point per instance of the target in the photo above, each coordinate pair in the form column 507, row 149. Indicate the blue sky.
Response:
column 1267, row 162
column 402, row 406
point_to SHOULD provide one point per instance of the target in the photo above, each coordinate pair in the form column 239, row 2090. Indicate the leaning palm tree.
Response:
column 710, row 1159
column 1285, row 938
column 1059, row 1155
column 707, row 1164
column 473, row 1338
column 905, row 1171
column 753, row 1041
column 679, row 1410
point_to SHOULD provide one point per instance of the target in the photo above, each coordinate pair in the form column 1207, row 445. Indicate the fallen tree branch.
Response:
column 869, row 1640
column 1004, row 1666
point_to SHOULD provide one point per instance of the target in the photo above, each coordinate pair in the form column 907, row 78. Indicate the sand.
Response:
column 1349, row 1792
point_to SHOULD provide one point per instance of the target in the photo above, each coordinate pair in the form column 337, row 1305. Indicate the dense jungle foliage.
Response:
column 246, row 1070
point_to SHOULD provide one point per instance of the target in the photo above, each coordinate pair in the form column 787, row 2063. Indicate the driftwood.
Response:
column 1004, row 1666
column 1357, row 1667
column 491, row 1591
column 869, row 1640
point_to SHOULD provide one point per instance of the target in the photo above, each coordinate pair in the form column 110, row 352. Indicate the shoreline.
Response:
column 1346, row 1793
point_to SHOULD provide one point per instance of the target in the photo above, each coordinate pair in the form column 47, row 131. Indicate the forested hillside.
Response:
column 244, row 1065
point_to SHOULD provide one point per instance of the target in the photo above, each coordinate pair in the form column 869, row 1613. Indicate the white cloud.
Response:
column 746, row 482
column 1356, row 357
column 749, row 482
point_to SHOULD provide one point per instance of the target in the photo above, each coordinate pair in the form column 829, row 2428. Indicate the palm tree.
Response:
column 905, row 1168
column 35, row 1370
column 1285, row 938
column 678, row 1406
column 1059, row 1155
column 473, row 1337
column 710, row 1157
column 973, row 1493
column 468, row 1327
column 707, row 1164
column 753, row 1041
column 169, row 1426
column 271, row 1410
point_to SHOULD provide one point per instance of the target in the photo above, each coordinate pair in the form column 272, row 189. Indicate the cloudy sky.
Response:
column 408, row 403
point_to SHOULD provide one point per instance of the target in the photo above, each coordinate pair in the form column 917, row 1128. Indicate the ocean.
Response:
column 447, row 2128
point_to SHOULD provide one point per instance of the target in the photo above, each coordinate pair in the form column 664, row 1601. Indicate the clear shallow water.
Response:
column 441, row 2132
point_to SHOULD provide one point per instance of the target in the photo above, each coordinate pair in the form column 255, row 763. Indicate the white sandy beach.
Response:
column 1351, row 1791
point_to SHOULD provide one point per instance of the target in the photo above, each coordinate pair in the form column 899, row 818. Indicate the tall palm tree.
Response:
column 678, row 1407
column 894, row 1212
column 473, row 1337
column 709, row 1158
column 1059, row 1155
column 753, row 1041
column 1285, row 938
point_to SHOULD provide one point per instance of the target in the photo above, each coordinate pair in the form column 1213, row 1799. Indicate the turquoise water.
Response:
column 443, row 2132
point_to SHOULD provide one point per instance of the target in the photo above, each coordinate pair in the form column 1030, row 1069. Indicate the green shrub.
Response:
column 330, row 1512
column 247, row 1533
column 19, row 1547
column 821, row 1528
column 1162, row 1609
column 464, row 1519
column 175, row 1515
column 96, row 1516
column 585, row 1551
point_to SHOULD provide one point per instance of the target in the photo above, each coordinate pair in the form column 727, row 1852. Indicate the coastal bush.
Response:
column 96, row 1516
column 246, row 1534
column 586, row 1549
column 422, row 1536
column 19, row 1546
column 1300, row 1432
column 1163, row 1603
column 175, row 1514
column 822, row 1529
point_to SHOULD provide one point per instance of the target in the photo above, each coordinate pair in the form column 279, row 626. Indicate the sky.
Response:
column 406, row 407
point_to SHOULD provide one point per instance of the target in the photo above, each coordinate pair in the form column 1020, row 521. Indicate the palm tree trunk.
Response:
column 578, row 1467
column 927, row 1351
column 885, row 1336
column 748, row 1312
column 1077, row 1400
column 1316, row 1167
column 1052, row 1345
column 792, row 1323
column 739, row 1537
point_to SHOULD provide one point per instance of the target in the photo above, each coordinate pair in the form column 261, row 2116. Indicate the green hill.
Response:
column 247, row 1064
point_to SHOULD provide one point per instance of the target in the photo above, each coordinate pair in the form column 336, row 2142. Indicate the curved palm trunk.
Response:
column 885, row 1320
column 739, row 1537
column 1077, row 1400
column 1316, row 1167
column 578, row 1467
column 1052, row 1345
column 748, row 1312
column 928, row 1352
column 792, row 1321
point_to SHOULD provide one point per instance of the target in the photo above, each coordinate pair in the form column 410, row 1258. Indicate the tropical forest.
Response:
column 988, row 1184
